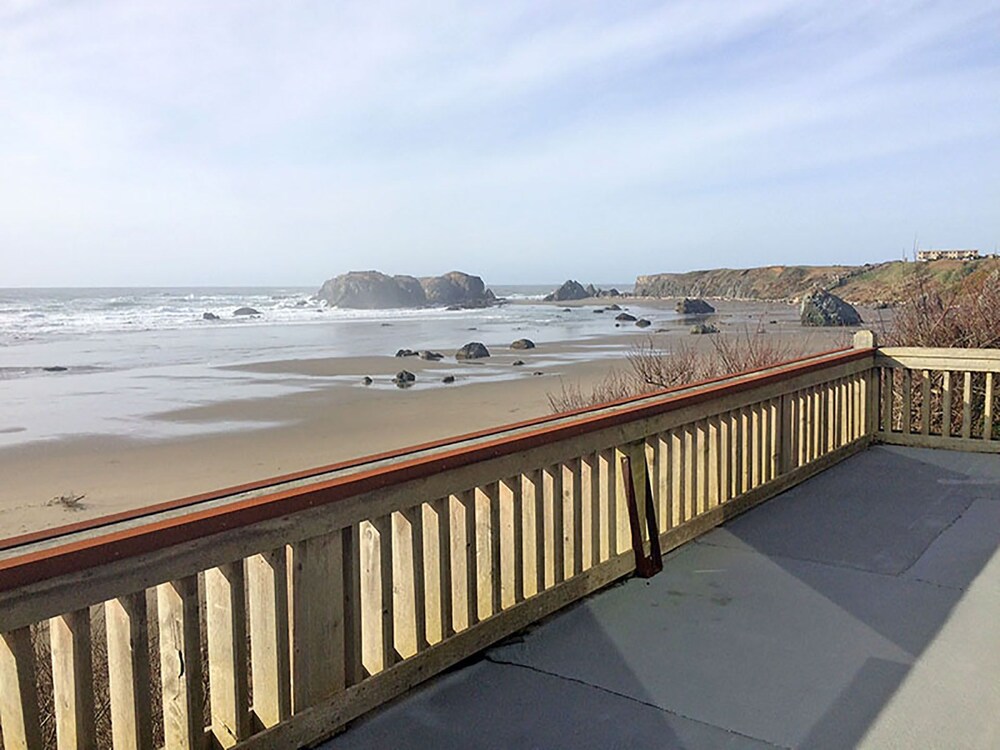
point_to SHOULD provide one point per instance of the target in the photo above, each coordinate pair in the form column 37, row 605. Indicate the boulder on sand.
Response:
column 404, row 378
column 209, row 316
column 245, row 311
column 625, row 317
column 523, row 344
column 704, row 328
column 472, row 350
column 643, row 323
column 694, row 307
column 820, row 308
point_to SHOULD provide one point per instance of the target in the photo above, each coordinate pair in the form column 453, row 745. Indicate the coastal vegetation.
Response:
column 869, row 284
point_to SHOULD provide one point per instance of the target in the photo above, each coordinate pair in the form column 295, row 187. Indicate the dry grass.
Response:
column 963, row 314
column 651, row 368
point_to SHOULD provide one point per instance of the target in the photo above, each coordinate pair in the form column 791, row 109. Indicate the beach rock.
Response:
column 523, row 344
column 613, row 308
column 643, row 323
column 517, row 363
column 568, row 291
column 430, row 356
column 453, row 308
column 599, row 310
column 694, row 307
column 612, row 292
column 209, row 316
column 538, row 372
column 406, row 353
column 567, row 309
column 55, row 368
column 704, row 328
column 404, row 378
column 448, row 379
column 820, row 308
column 372, row 290
column 625, row 317
column 245, row 312
column 472, row 350
column 366, row 380
column 457, row 289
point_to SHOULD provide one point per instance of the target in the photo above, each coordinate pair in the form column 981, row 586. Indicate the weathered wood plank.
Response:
column 925, row 402
column 907, row 401
column 73, row 680
column 966, row 404
column 128, row 672
column 354, row 670
column 267, row 601
column 19, row 717
column 946, row 403
column 226, row 620
column 988, row 408
column 181, row 672
column 316, row 619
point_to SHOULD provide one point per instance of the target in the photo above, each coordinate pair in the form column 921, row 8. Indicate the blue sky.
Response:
column 177, row 142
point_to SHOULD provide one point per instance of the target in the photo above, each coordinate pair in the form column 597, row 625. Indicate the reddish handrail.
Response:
column 131, row 542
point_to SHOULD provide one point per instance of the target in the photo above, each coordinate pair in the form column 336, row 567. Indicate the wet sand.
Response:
column 331, row 418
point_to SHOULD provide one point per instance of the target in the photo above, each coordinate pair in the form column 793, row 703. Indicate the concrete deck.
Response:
column 861, row 608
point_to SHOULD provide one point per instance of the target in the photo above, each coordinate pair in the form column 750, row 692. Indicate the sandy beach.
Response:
column 330, row 416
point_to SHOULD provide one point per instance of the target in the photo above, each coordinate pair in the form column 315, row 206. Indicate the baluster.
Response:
column 267, row 596
column 354, row 670
column 712, row 456
column 177, row 607
column 468, row 502
column 946, row 403
column 538, row 494
column 18, row 692
column 988, row 408
column 491, row 492
column 128, row 672
column 907, row 401
column 445, row 623
column 576, row 475
column 225, row 597
column 610, row 497
column 727, row 450
column 966, row 404
column 72, row 680
column 412, row 521
column 594, row 487
column 514, row 486
column 558, row 539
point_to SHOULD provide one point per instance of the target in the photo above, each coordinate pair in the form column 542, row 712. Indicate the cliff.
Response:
column 865, row 285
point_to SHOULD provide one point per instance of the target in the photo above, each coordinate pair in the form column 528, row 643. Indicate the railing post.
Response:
column 872, row 395
column 18, row 694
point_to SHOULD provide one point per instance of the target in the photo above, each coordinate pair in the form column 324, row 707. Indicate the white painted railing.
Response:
column 306, row 602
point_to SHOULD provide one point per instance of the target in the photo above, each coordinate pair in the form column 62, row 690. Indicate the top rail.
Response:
column 36, row 557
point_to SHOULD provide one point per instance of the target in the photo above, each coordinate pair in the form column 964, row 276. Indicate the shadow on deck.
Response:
column 861, row 608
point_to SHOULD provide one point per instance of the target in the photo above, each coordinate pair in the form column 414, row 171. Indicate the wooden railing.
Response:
column 302, row 604
column 939, row 398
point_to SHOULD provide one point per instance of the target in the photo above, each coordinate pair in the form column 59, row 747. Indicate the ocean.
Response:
column 78, row 362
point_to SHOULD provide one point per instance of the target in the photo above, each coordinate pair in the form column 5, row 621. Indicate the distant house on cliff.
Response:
column 925, row 255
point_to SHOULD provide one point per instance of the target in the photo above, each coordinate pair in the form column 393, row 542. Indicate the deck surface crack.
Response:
column 502, row 662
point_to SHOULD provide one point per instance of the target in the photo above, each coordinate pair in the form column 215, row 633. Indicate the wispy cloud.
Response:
column 179, row 142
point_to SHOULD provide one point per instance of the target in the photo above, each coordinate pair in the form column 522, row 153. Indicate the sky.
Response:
column 179, row 142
